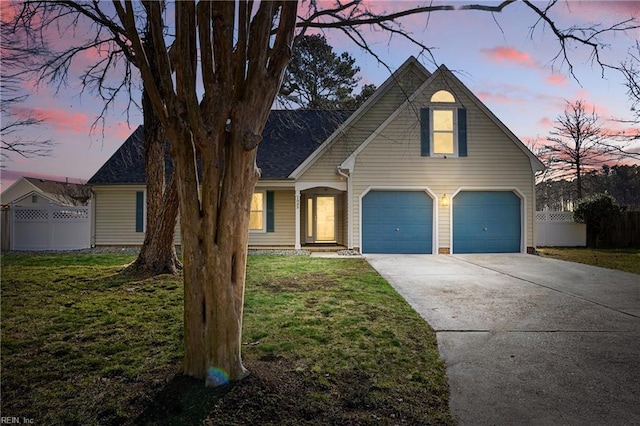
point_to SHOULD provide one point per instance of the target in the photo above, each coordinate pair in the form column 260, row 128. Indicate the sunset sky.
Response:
column 511, row 69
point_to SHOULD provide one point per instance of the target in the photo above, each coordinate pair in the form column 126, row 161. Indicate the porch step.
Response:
column 324, row 248
column 331, row 248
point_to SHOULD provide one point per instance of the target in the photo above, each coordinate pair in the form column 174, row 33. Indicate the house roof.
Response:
column 126, row 165
column 380, row 92
column 53, row 187
column 289, row 137
column 536, row 164
column 65, row 193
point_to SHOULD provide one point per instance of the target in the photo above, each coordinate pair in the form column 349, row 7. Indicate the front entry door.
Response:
column 321, row 219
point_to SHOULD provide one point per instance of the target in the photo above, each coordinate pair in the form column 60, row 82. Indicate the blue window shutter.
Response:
column 270, row 212
column 425, row 148
column 462, row 132
column 139, row 211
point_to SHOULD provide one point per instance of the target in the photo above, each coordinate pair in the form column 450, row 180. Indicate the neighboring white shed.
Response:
column 45, row 216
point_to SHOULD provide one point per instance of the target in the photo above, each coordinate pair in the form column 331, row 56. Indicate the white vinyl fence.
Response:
column 53, row 227
column 558, row 229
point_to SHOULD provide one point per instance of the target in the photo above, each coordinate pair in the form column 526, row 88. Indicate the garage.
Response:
column 486, row 222
column 397, row 222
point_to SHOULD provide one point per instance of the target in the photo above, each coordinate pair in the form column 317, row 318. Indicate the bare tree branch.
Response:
column 15, row 59
column 578, row 144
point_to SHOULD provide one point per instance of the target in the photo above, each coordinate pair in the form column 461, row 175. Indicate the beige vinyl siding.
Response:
column 393, row 159
column 324, row 168
column 284, row 222
column 115, row 216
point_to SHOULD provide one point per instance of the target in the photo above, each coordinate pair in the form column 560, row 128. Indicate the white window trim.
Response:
column 263, row 230
column 455, row 131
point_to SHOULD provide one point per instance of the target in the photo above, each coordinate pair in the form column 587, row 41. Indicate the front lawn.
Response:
column 621, row 259
column 327, row 341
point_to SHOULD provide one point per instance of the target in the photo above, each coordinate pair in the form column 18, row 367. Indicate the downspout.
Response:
column 349, row 211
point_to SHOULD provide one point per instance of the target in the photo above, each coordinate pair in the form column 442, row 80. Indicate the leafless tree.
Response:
column 29, row 34
column 631, row 71
column 16, row 58
column 213, row 97
column 579, row 144
column 73, row 193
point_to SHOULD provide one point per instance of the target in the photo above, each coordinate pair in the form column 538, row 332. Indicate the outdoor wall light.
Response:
column 444, row 200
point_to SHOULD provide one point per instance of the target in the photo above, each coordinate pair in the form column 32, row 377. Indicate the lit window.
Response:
column 443, row 127
column 443, row 131
column 256, row 219
column 442, row 96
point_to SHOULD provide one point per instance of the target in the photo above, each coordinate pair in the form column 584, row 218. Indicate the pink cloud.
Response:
column 61, row 120
column 596, row 10
column 601, row 111
column 509, row 54
column 556, row 79
column 485, row 96
column 546, row 121
column 8, row 10
column 120, row 130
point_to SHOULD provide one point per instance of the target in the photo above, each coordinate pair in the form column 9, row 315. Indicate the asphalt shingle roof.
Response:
column 289, row 137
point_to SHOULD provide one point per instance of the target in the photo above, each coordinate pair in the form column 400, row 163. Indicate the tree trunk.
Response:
column 215, row 232
column 157, row 254
column 214, row 138
column 579, row 179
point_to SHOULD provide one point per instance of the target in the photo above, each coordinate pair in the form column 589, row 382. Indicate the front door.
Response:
column 321, row 219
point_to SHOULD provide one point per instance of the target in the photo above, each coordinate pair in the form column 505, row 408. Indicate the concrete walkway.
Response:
column 528, row 340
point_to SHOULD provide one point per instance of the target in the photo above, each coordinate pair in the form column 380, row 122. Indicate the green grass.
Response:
column 621, row 259
column 327, row 341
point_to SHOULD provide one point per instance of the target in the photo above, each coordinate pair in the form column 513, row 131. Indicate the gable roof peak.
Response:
column 411, row 60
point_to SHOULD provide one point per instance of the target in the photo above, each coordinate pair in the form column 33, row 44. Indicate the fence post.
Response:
column 12, row 225
column 90, row 216
column 50, row 225
column 5, row 232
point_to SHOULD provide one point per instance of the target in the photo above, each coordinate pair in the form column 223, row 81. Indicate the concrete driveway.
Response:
column 528, row 340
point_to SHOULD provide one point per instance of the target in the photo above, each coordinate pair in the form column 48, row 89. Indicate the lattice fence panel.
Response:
column 31, row 214
column 561, row 217
column 75, row 214
column 554, row 216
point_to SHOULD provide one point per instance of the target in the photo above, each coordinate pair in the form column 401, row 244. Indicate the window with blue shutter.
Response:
column 270, row 211
column 139, row 211
column 425, row 134
column 443, row 127
column 462, row 132
column 262, row 216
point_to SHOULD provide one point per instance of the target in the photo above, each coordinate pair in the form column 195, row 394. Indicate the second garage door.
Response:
column 486, row 222
column 397, row 222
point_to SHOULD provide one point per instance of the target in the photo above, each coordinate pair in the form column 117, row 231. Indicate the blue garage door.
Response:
column 397, row 222
column 486, row 222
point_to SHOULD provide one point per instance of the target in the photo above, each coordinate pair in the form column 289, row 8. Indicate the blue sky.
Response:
column 510, row 68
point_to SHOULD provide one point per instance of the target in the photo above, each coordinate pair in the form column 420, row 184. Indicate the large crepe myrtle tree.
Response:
column 213, row 148
column 211, row 81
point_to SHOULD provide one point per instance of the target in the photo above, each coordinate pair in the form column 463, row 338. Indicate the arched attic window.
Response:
column 442, row 96
column 443, row 127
